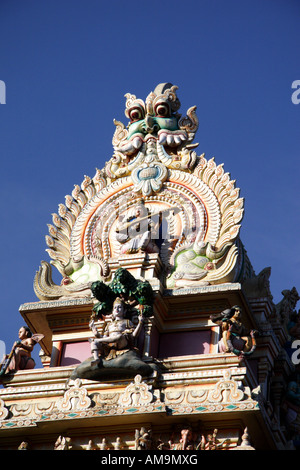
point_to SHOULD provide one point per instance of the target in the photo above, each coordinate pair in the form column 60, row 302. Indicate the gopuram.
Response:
column 160, row 335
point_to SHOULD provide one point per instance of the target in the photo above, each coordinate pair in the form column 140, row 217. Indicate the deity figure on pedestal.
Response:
column 114, row 349
column 118, row 336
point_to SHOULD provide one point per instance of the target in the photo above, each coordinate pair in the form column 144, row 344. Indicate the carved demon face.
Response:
column 155, row 119
column 157, row 114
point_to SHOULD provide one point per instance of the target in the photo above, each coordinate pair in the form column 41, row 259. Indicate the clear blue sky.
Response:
column 67, row 65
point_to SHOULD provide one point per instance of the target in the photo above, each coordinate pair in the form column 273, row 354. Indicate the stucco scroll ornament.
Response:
column 209, row 257
column 3, row 410
column 77, row 270
column 226, row 390
column 156, row 138
column 75, row 398
column 137, row 393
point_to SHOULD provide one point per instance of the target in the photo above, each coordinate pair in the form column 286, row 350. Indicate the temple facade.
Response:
column 160, row 336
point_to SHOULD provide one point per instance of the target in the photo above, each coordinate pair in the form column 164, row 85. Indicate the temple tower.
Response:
column 160, row 335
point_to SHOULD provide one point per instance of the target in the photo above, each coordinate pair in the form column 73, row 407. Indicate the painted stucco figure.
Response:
column 193, row 440
column 114, row 349
column 194, row 261
column 20, row 355
column 118, row 336
column 236, row 337
column 137, row 231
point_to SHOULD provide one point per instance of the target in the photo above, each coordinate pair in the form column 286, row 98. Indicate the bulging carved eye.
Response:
column 162, row 110
column 136, row 114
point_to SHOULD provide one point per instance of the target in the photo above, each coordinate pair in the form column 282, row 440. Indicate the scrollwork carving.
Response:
column 226, row 390
column 76, row 398
column 137, row 393
column 3, row 410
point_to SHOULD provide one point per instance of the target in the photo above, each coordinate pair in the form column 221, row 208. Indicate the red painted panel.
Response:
column 75, row 353
column 184, row 343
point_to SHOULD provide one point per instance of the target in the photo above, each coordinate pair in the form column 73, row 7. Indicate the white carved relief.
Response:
column 76, row 398
column 226, row 390
column 21, row 409
column 137, row 393
column 3, row 410
column 196, row 396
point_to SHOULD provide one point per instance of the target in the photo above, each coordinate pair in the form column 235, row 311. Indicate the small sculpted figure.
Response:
column 118, row 444
column 293, row 326
column 63, row 443
column 118, row 335
column 285, row 309
column 91, row 445
column 20, row 355
column 191, row 440
column 209, row 443
column 187, row 440
column 236, row 337
column 103, row 445
column 23, row 446
column 137, row 231
column 143, row 439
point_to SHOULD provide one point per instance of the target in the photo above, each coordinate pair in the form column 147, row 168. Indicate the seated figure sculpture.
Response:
column 137, row 231
column 114, row 352
column 20, row 355
column 118, row 336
